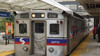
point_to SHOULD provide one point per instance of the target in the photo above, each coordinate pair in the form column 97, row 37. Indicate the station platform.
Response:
column 88, row 47
column 6, row 49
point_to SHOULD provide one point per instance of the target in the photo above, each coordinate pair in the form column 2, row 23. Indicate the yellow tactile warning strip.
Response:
column 5, row 53
column 82, row 47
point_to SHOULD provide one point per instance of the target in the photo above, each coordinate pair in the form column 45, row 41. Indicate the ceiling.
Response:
column 91, row 6
column 23, row 5
column 20, row 5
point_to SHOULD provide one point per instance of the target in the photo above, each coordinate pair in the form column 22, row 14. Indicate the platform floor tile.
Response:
column 88, row 47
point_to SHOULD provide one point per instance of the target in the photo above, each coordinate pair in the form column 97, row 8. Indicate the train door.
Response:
column 68, row 37
column 39, row 37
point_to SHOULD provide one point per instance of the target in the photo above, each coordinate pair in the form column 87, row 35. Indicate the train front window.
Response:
column 39, row 27
column 22, row 28
column 54, row 28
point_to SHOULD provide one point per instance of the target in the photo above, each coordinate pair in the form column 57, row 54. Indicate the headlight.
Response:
column 25, row 48
column 42, row 15
column 33, row 15
column 51, row 49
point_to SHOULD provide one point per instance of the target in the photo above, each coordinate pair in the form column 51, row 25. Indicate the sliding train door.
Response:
column 68, row 35
column 39, row 37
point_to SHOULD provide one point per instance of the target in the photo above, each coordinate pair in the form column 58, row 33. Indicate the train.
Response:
column 48, row 33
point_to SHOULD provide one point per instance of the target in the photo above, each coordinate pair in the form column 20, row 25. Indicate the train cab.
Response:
column 47, row 33
column 40, row 32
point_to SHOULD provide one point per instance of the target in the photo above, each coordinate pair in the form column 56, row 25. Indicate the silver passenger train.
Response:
column 47, row 33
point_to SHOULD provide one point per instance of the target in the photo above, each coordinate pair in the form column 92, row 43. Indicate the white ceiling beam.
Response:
column 14, row 1
column 22, row 2
column 43, row 7
column 2, row 0
column 8, row 7
column 4, row 5
column 31, row 4
column 35, row 4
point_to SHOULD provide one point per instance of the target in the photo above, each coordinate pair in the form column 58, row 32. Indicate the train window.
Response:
column 52, row 15
column 22, row 28
column 24, row 15
column 54, row 28
column 39, row 27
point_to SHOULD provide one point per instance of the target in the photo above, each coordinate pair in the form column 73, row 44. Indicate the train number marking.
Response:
column 55, row 42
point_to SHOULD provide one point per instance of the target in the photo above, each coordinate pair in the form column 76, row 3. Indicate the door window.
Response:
column 39, row 27
column 22, row 28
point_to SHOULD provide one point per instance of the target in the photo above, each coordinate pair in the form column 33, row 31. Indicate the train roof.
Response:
column 77, row 15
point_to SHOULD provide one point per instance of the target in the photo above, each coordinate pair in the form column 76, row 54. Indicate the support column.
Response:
column 96, row 20
column 99, row 19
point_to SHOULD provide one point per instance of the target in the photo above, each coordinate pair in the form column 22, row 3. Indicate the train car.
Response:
column 47, row 33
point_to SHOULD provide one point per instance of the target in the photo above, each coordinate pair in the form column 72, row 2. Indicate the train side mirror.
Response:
column 15, row 13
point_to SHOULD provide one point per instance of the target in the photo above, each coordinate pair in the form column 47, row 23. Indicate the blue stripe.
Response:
column 18, row 39
column 56, row 40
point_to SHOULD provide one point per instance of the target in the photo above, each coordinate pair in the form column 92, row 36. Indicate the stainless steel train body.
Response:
column 47, row 33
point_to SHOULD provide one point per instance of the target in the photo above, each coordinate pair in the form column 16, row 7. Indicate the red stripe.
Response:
column 21, row 42
column 26, row 42
column 17, row 42
column 57, row 44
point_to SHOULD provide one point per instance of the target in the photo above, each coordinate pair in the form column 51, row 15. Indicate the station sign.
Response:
column 4, row 14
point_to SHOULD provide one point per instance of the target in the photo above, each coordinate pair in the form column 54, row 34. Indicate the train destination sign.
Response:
column 4, row 14
column 52, row 15
column 24, row 15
